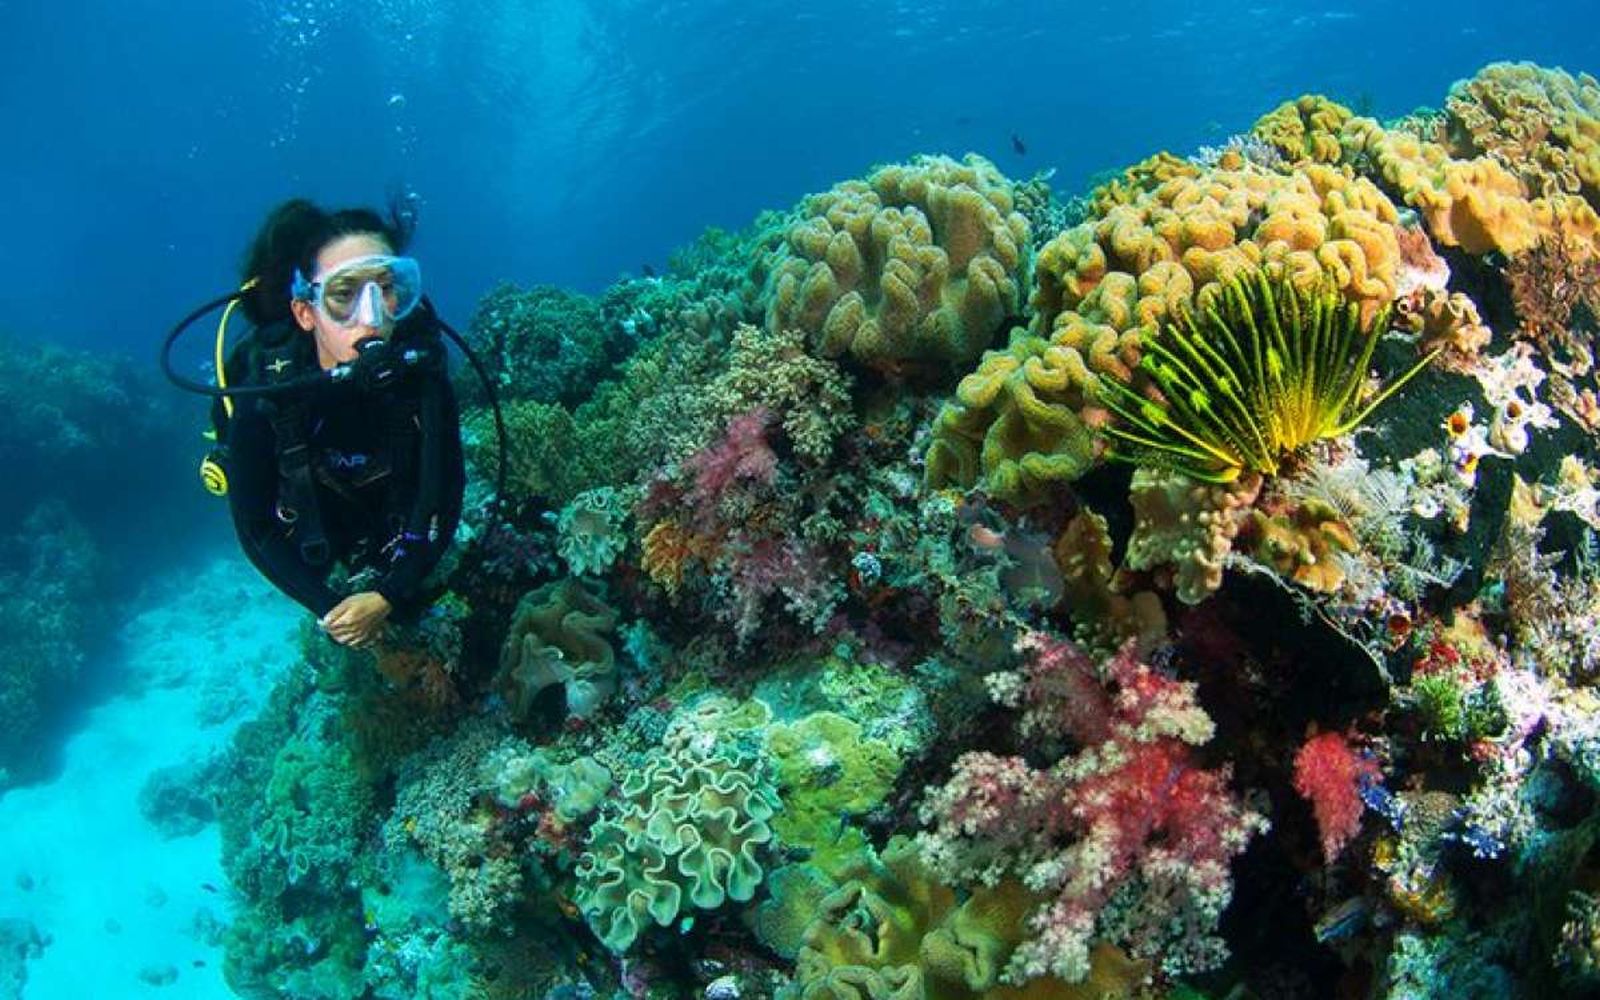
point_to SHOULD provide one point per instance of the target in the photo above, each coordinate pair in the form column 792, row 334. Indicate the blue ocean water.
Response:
column 567, row 142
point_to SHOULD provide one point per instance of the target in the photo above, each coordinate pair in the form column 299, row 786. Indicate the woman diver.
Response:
column 339, row 436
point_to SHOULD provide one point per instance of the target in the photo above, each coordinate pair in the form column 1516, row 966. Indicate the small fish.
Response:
column 208, row 887
column 647, row 270
column 198, row 963
column 1018, row 146
column 1342, row 920
column 985, row 538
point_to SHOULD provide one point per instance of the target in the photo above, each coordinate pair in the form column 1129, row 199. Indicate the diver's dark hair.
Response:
column 292, row 236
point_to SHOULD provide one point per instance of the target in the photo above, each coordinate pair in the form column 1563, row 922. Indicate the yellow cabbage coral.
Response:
column 1306, row 129
column 920, row 264
column 1541, row 124
column 1479, row 204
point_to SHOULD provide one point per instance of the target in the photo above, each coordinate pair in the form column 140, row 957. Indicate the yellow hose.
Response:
column 222, row 334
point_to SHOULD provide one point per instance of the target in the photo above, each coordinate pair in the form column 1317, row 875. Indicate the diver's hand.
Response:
column 358, row 619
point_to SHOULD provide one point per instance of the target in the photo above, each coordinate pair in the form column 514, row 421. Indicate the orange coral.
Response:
column 1448, row 322
column 1478, row 204
column 421, row 675
column 668, row 550
column 1024, row 418
column 1541, row 124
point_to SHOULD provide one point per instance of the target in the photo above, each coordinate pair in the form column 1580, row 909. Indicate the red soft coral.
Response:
column 741, row 454
column 1329, row 773
column 1130, row 837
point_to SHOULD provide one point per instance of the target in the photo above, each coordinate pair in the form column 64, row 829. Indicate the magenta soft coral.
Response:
column 742, row 453
column 1329, row 772
column 1129, row 837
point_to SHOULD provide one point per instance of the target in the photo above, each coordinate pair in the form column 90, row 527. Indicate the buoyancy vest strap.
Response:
column 425, row 419
column 297, row 500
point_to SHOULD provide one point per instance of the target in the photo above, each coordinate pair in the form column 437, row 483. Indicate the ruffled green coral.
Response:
column 687, row 830
column 559, row 635
column 891, row 931
column 589, row 531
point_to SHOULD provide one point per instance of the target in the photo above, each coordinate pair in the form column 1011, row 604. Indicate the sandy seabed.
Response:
column 125, row 911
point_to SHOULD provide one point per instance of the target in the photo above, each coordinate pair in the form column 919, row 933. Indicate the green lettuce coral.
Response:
column 687, row 830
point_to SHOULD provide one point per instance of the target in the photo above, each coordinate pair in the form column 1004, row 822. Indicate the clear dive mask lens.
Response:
column 367, row 291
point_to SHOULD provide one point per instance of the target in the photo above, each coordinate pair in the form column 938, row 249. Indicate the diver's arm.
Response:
column 436, row 509
column 252, row 494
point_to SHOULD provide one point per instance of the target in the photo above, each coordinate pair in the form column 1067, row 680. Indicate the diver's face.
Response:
column 336, row 344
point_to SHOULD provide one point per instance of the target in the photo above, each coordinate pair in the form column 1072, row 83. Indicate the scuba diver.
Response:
column 338, row 435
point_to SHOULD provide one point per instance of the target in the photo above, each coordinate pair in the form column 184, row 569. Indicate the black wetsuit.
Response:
column 385, row 501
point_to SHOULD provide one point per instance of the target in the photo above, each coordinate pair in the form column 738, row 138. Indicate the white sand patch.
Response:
column 79, row 859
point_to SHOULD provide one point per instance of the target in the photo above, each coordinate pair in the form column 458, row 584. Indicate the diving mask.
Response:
column 375, row 290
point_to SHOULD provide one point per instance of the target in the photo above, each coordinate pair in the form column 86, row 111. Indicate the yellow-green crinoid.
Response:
column 1242, row 381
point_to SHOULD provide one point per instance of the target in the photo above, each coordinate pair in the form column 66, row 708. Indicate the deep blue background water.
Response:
column 569, row 141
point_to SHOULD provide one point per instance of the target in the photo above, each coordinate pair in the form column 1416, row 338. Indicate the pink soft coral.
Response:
column 1329, row 772
column 1129, row 836
column 741, row 454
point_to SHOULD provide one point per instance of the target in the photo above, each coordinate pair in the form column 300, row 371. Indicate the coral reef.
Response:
column 809, row 603
column 1029, row 415
column 1264, row 372
column 544, row 344
column 1129, row 839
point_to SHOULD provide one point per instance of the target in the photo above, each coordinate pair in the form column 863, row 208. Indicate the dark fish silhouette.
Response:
column 648, row 271
column 1018, row 145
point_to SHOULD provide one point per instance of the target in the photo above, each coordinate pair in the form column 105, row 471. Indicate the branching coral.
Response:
column 1329, row 774
column 1548, row 284
column 807, row 396
column 722, row 510
column 441, row 807
column 543, row 344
